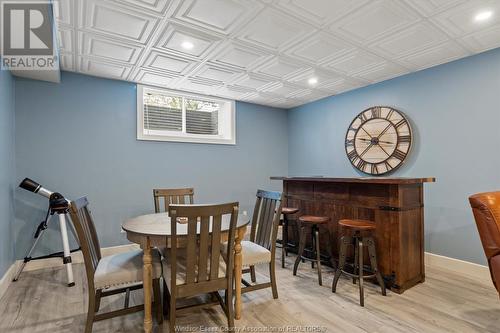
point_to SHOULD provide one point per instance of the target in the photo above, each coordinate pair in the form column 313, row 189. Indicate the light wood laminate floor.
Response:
column 446, row 302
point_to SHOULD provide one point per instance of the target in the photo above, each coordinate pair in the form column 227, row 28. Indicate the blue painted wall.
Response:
column 455, row 112
column 7, row 172
column 79, row 138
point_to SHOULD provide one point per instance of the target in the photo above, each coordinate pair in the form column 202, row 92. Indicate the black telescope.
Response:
column 57, row 205
column 32, row 186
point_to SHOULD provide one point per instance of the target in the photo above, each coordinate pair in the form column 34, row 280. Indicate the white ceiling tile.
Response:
column 166, row 62
column 319, row 12
column 274, row 30
column 267, row 51
column 66, row 40
column 431, row 7
column 155, row 6
column 283, row 89
column 383, row 72
column 172, row 38
column 318, row 48
column 208, row 87
column 342, row 85
column 252, row 81
column 377, row 19
column 413, row 39
column 483, row 40
column 212, row 72
column 322, row 78
column 67, row 62
column 157, row 79
column 442, row 53
column 63, row 12
column 102, row 68
column 239, row 55
column 280, row 68
column 223, row 16
column 459, row 20
column 356, row 61
column 118, row 21
column 111, row 49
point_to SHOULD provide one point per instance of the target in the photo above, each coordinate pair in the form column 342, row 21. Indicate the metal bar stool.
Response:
column 360, row 232
column 312, row 222
column 284, row 244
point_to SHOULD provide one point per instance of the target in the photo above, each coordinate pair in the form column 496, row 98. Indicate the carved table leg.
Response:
column 147, row 285
column 238, row 271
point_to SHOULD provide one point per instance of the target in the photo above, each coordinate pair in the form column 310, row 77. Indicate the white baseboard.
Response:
column 76, row 258
column 472, row 270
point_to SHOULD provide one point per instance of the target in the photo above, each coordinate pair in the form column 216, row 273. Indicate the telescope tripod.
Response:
column 57, row 205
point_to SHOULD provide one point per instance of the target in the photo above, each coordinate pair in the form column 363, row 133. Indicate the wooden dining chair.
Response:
column 168, row 196
column 195, row 265
column 261, row 248
column 110, row 275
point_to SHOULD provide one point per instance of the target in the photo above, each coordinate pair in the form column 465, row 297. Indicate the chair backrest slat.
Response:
column 266, row 218
column 87, row 236
column 203, row 248
column 172, row 196
column 216, row 236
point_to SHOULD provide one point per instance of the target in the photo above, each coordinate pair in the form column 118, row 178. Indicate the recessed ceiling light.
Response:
column 312, row 81
column 187, row 45
column 483, row 16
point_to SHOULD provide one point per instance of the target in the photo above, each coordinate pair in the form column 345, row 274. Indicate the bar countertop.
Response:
column 363, row 180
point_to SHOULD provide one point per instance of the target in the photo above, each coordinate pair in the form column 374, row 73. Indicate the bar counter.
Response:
column 396, row 205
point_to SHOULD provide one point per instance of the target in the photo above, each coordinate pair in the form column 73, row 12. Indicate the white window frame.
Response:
column 226, row 123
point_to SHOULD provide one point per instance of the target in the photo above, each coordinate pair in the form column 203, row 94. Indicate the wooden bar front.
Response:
column 396, row 205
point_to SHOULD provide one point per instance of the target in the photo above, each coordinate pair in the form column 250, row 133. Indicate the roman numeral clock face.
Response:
column 378, row 140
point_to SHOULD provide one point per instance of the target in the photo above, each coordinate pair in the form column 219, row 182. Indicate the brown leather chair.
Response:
column 486, row 209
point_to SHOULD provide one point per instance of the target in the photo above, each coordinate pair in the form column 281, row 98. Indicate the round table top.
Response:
column 159, row 224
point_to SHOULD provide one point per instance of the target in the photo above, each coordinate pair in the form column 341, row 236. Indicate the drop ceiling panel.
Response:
column 169, row 63
column 376, row 19
column 117, row 21
column 483, row 40
column 319, row 12
column 274, row 30
column 173, row 37
column 109, row 49
column 460, row 21
column 222, row 16
column 275, row 52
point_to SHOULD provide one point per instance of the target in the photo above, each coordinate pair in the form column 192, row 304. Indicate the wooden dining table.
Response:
column 154, row 230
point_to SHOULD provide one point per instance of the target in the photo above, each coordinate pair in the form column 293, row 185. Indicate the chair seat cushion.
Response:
column 123, row 269
column 252, row 253
column 181, row 268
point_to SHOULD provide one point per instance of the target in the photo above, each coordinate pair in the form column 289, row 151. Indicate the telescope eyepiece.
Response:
column 30, row 185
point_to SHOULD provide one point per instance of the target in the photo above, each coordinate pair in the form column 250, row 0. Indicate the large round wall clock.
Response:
column 378, row 140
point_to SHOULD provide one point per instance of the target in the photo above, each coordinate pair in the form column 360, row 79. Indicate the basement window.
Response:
column 167, row 115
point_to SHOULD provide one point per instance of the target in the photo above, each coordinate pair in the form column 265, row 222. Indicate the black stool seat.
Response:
column 312, row 222
column 362, row 236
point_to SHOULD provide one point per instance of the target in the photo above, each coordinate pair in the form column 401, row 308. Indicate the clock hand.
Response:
column 366, row 132
column 367, row 148
column 368, row 140
column 384, row 150
column 385, row 130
